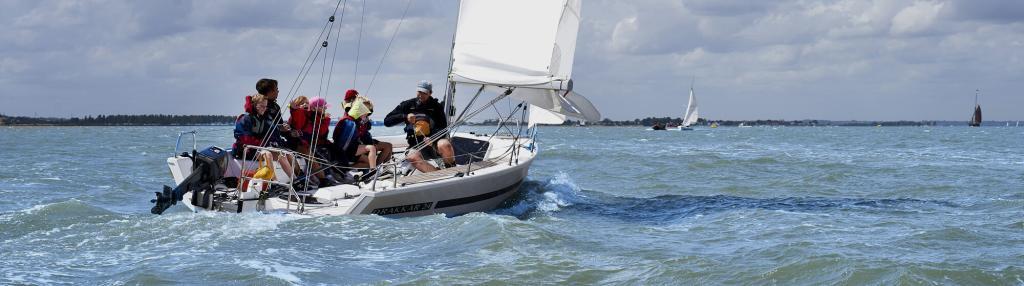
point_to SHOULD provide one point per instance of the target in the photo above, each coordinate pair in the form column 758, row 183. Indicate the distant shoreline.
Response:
column 119, row 120
column 672, row 122
column 221, row 120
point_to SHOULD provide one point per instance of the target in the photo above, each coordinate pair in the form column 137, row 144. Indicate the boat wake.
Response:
column 561, row 195
column 670, row 208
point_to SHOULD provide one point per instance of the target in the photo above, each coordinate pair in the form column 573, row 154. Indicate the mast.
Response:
column 449, row 96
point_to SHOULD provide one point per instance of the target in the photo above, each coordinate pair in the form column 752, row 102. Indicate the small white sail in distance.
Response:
column 690, row 117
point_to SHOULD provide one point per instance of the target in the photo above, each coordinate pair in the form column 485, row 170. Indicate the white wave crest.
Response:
column 551, row 196
column 276, row 270
column 560, row 191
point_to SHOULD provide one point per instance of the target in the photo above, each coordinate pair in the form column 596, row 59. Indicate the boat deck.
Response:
column 420, row 177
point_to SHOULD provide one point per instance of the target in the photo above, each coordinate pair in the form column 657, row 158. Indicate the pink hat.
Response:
column 317, row 102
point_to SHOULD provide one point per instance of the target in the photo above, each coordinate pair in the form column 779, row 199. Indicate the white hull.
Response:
column 452, row 191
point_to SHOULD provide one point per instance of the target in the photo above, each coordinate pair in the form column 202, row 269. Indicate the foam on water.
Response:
column 550, row 196
column 276, row 270
column 600, row 206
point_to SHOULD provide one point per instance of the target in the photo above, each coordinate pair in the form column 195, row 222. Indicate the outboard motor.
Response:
column 207, row 169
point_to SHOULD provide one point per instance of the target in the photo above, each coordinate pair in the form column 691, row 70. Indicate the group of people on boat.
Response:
column 351, row 145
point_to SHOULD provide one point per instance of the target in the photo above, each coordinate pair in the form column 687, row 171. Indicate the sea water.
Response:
column 602, row 205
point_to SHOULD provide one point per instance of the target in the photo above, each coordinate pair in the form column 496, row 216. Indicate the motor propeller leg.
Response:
column 163, row 201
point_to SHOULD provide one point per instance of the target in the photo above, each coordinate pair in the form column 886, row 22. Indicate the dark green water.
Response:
column 804, row 206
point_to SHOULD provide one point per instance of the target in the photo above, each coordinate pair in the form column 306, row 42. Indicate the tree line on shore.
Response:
column 669, row 121
column 164, row 119
column 119, row 120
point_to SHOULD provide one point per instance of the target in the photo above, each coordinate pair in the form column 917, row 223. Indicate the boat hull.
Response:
column 473, row 193
column 459, row 190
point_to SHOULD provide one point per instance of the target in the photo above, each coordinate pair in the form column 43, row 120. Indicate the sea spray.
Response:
column 550, row 196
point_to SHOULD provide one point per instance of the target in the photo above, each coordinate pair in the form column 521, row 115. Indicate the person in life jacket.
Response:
column 315, row 128
column 297, row 109
column 311, row 124
column 256, row 128
column 385, row 148
column 353, row 144
column 424, row 116
column 269, row 90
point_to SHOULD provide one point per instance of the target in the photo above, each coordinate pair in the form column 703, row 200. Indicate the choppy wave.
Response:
column 601, row 206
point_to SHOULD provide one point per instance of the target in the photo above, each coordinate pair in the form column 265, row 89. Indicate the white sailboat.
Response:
column 691, row 115
column 519, row 50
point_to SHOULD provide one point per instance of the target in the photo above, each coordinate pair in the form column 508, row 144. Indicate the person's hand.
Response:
column 411, row 118
column 286, row 127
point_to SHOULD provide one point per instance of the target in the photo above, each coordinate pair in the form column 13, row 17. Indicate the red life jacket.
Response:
column 311, row 118
column 298, row 119
column 248, row 104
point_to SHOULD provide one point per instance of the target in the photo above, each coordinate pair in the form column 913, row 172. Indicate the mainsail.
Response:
column 691, row 111
column 976, row 118
column 528, row 45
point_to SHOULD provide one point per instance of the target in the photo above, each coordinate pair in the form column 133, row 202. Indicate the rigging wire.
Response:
column 386, row 50
column 359, row 44
column 294, row 88
column 323, row 88
column 307, row 65
column 337, row 38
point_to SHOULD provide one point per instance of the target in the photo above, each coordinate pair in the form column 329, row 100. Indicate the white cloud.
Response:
column 916, row 18
column 834, row 59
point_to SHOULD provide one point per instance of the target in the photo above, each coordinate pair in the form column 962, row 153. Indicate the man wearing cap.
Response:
column 423, row 117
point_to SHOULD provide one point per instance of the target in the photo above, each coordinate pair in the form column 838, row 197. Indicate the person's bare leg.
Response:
column 304, row 149
column 447, row 152
column 368, row 161
column 417, row 162
column 286, row 166
column 314, row 166
column 371, row 155
column 385, row 151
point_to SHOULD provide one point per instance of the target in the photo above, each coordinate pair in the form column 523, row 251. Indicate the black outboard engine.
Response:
column 207, row 169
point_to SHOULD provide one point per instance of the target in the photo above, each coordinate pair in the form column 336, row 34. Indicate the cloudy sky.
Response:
column 840, row 60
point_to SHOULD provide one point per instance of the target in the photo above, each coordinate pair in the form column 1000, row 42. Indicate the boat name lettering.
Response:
column 403, row 209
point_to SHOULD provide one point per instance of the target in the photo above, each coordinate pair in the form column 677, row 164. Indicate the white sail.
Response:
column 526, row 44
column 690, row 117
column 543, row 117
column 522, row 43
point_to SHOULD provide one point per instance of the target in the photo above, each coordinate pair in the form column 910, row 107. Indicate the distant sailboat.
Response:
column 976, row 118
column 691, row 115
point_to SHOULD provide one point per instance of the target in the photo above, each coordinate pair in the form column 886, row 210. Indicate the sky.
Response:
column 803, row 59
